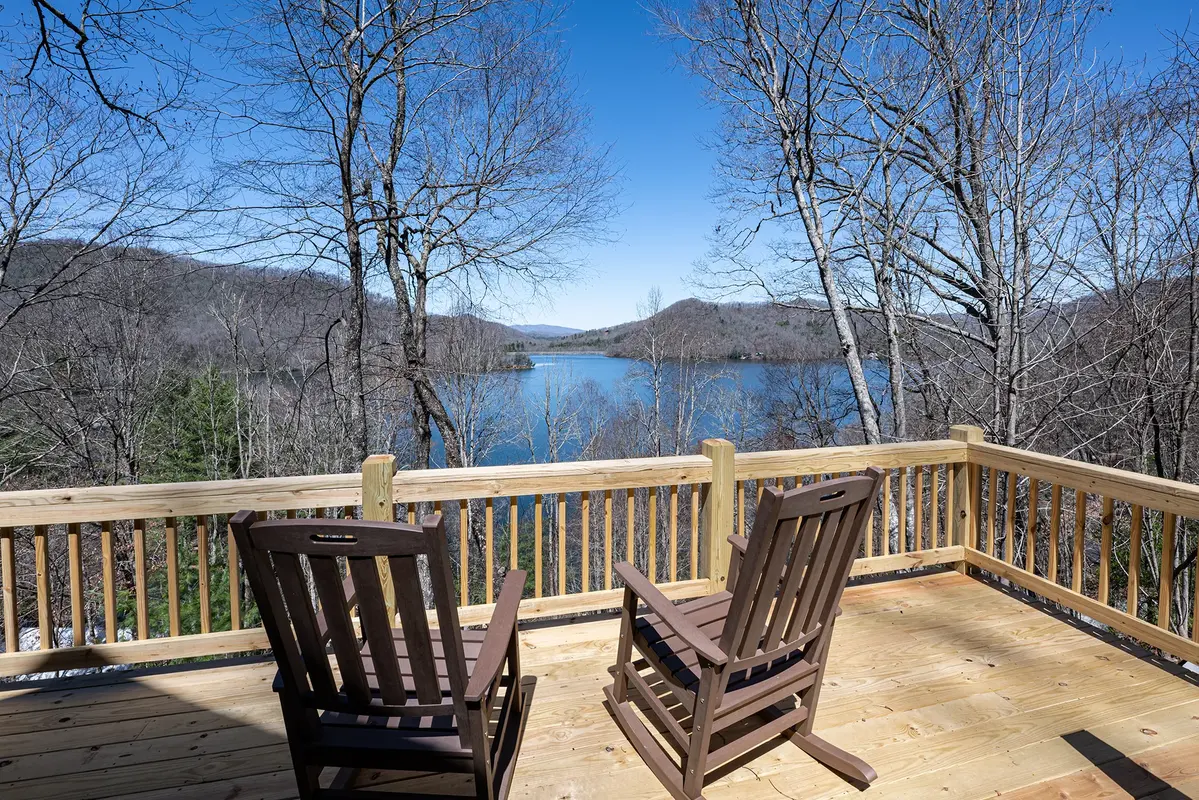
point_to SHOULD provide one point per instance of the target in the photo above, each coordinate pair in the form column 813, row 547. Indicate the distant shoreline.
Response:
column 746, row 360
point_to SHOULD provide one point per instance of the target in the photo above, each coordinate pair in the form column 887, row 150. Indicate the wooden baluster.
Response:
column 761, row 487
column 463, row 554
column 562, row 543
column 139, row 579
column 934, row 514
column 1078, row 562
column 1105, row 552
column 630, row 530
column 886, row 540
column 513, row 534
column 75, row 561
column 1009, row 535
column 974, row 524
column 1055, row 528
column 1134, row 561
column 488, row 554
column 992, row 493
column 202, row 563
column 108, row 565
column 779, row 483
column 1165, row 597
column 349, row 512
column 411, row 509
column 291, row 513
column 695, row 527
column 172, row 541
column 234, row 582
column 8, row 578
column 949, row 501
column 918, row 507
column 607, row 538
column 586, row 559
column 537, row 545
column 674, row 533
column 41, row 555
column 740, row 510
column 903, row 511
column 1030, row 540
column 318, row 513
column 653, row 534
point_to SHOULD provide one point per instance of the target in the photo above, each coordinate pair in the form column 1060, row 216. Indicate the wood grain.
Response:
column 75, row 567
column 937, row 724
column 8, row 584
column 41, row 554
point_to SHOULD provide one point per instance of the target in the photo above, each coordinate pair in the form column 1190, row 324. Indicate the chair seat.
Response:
column 434, row 734
column 675, row 660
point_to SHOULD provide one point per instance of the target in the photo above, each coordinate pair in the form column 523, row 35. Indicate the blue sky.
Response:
column 652, row 114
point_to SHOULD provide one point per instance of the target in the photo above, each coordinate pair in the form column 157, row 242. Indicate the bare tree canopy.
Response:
column 435, row 148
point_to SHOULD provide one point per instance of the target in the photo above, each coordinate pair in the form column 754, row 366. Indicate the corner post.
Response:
column 965, row 492
column 377, row 505
column 718, row 512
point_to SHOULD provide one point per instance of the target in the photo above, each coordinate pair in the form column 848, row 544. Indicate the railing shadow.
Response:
column 207, row 729
column 1120, row 769
column 1108, row 637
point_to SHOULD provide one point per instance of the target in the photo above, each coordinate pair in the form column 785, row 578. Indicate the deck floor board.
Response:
column 948, row 687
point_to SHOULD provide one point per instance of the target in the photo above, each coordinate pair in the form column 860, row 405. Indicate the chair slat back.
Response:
column 375, row 679
column 797, row 563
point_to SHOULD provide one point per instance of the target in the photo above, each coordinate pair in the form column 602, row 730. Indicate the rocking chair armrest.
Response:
column 500, row 631
column 660, row 604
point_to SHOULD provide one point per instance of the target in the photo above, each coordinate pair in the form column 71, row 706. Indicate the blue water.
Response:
column 609, row 372
column 612, row 375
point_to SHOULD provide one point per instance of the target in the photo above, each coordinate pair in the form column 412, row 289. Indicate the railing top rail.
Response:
column 1131, row 487
column 151, row 500
column 565, row 476
column 154, row 500
column 773, row 463
column 103, row 503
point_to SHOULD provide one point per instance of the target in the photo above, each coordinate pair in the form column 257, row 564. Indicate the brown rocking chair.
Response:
column 756, row 650
column 408, row 699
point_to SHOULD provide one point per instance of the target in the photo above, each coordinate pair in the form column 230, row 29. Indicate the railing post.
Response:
column 965, row 493
column 377, row 505
column 718, row 511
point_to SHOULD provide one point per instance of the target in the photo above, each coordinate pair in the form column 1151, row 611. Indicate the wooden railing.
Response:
column 146, row 573
column 119, row 575
column 1117, row 547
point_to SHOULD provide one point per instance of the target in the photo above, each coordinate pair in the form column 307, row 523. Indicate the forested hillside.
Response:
column 724, row 330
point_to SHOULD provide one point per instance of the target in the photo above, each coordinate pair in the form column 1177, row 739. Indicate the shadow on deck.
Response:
column 946, row 686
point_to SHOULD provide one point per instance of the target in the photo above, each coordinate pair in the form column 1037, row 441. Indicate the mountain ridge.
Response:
column 300, row 307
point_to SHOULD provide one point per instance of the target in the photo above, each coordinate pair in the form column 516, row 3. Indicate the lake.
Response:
column 609, row 373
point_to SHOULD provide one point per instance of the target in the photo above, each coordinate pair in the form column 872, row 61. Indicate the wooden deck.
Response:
column 948, row 687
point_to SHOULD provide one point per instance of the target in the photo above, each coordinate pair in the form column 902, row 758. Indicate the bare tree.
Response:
column 474, row 380
column 776, row 69
column 130, row 57
column 460, row 161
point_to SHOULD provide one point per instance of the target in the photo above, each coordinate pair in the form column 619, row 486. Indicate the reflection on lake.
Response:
column 618, row 376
